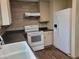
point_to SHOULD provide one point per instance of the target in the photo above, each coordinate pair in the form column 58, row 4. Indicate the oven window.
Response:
column 0, row 39
column 36, row 38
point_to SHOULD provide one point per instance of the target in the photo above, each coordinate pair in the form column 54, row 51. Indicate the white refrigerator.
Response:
column 62, row 30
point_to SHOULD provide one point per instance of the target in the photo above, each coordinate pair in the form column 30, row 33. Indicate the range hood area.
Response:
column 32, row 14
column 29, row 0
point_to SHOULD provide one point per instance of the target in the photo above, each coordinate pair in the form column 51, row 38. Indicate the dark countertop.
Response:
column 14, row 36
column 45, row 29
column 11, row 35
column 2, row 30
column 22, row 28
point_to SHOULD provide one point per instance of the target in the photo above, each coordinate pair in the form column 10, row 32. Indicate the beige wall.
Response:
column 77, row 29
column 56, row 5
column 73, row 29
column 0, row 15
column 60, row 4
column 50, row 24
column 18, row 10
column 69, row 3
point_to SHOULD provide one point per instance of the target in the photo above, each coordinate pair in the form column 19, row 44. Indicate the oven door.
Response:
column 35, row 38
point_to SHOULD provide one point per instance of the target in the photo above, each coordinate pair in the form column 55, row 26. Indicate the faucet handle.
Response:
column 0, row 45
column 1, row 41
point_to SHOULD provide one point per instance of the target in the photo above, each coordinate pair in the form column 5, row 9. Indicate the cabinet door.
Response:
column 48, row 38
column 44, row 11
column 5, row 11
column 0, row 14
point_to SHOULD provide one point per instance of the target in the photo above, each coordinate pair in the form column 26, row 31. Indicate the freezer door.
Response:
column 62, row 32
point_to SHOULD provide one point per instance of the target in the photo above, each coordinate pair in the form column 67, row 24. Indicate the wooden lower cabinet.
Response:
column 48, row 38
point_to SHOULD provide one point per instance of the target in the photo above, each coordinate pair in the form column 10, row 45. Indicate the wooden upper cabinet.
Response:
column 5, row 12
column 0, row 16
column 44, row 11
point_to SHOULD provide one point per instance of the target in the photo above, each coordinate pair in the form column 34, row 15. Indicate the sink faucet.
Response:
column 1, row 42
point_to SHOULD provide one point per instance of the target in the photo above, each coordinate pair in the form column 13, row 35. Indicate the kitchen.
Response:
column 16, row 18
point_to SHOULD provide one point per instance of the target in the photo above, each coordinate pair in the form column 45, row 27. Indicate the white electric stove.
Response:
column 35, row 37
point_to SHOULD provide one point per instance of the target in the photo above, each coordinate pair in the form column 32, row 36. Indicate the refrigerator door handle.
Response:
column 55, row 25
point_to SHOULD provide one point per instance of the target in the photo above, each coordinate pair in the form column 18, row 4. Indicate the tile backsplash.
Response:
column 18, row 8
